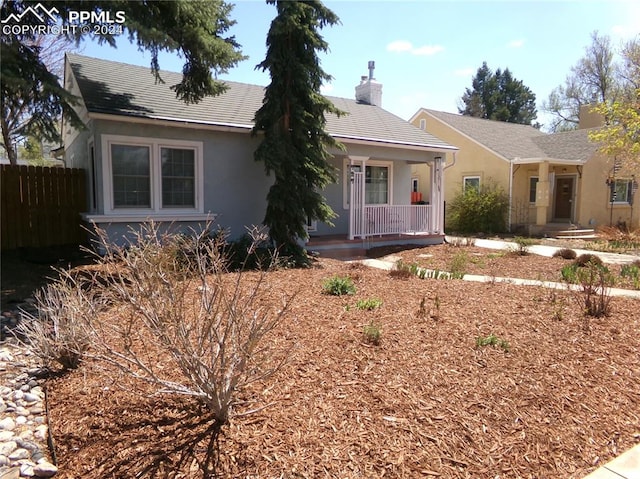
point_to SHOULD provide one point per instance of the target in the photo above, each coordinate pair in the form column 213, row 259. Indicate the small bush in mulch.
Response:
column 402, row 270
column 338, row 286
column 368, row 304
column 565, row 253
column 372, row 333
column 493, row 340
column 522, row 246
column 586, row 259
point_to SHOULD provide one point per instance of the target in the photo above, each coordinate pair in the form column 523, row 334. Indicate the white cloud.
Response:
column 464, row 72
column 400, row 46
column 631, row 26
column 515, row 43
column 427, row 50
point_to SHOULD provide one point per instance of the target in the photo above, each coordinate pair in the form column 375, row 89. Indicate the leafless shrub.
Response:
column 586, row 259
column 565, row 253
column 593, row 292
column 59, row 334
column 210, row 325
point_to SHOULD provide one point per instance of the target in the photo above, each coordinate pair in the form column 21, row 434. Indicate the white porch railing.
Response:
column 378, row 220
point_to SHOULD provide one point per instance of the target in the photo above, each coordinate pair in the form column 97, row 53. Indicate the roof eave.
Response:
column 238, row 127
column 396, row 144
column 557, row 161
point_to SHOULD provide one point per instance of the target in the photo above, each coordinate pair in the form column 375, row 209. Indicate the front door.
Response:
column 564, row 198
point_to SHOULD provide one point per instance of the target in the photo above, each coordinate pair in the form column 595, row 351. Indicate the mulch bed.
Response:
column 558, row 402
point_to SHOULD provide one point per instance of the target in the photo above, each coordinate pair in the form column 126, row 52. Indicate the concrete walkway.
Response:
column 545, row 250
column 625, row 466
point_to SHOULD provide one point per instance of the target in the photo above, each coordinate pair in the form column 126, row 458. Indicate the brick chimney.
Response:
column 369, row 91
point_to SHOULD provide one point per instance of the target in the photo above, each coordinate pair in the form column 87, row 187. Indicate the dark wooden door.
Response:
column 564, row 198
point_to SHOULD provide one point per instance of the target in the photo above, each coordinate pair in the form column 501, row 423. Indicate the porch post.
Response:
column 356, row 197
column 437, row 196
column 542, row 193
column 351, row 197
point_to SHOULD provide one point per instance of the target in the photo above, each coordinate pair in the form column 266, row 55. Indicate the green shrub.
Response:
column 403, row 270
column 565, row 253
column 484, row 210
column 372, row 333
column 369, row 304
column 458, row 265
column 492, row 340
column 338, row 286
column 569, row 273
column 632, row 271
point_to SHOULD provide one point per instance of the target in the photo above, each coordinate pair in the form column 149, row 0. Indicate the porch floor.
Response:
column 341, row 247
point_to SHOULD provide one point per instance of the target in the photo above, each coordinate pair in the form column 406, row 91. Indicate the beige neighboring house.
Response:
column 554, row 181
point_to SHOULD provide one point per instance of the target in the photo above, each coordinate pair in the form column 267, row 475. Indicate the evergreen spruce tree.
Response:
column 292, row 118
column 498, row 96
column 32, row 98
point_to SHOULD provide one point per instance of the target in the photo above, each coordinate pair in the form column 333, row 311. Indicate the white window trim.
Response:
column 423, row 124
column 626, row 200
column 346, row 172
column 154, row 145
column 470, row 177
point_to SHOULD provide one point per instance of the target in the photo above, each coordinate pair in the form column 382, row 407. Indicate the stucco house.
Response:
column 554, row 181
column 150, row 156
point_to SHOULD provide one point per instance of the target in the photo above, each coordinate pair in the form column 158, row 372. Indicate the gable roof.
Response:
column 114, row 88
column 513, row 141
column 569, row 145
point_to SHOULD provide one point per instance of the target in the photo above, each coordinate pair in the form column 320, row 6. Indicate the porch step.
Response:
column 585, row 233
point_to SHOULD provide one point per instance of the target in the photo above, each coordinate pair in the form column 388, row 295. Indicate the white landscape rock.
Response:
column 7, row 424
column 44, row 469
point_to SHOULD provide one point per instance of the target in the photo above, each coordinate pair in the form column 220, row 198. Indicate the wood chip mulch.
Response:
column 557, row 400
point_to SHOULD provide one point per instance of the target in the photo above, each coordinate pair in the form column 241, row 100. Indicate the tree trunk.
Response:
column 7, row 142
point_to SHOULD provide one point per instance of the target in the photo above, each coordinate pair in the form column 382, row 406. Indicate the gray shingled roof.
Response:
column 570, row 145
column 129, row 90
column 512, row 140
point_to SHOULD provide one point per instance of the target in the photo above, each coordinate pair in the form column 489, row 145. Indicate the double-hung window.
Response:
column 152, row 176
column 621, row 191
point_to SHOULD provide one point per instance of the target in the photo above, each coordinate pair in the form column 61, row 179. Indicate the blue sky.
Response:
column 426, row 52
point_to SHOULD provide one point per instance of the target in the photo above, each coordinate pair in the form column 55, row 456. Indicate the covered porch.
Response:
column 373, row 211
column 544, row 192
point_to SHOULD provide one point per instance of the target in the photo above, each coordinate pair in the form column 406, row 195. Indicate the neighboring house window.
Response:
column 471, row 182
column 621, row 191
column 149, row 176
column 533, row 187
column 423, row 124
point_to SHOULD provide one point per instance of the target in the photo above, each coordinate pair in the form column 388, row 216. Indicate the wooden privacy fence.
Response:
column 41, row 206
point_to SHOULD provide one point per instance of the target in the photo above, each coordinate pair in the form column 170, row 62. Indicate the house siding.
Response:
column 472, row 159
column 234, row 184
